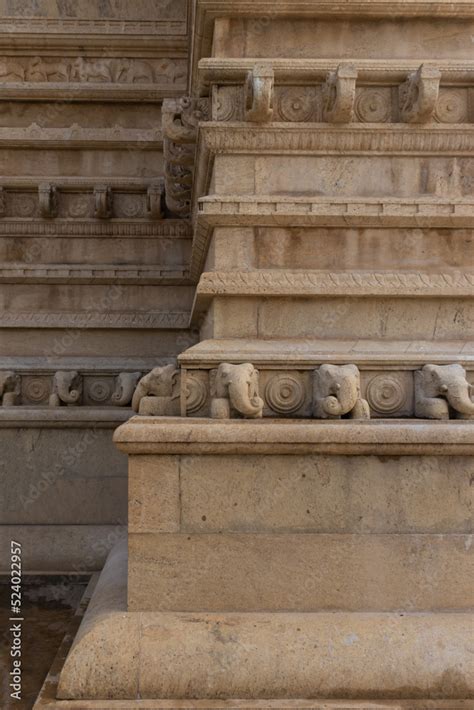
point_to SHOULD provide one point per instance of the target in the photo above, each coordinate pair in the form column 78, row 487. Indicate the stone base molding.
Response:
column 151, row 655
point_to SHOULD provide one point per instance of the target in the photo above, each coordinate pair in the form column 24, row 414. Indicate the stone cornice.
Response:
column 323, row 139
column 69, row 92
column 305, row 353
column 226, row 70
column 94, row 274
column 35, row 136
column 344, row 284
column 140, row 435
column 63, row 417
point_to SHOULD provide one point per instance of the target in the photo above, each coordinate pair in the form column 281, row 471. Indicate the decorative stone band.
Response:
column 337, row 283
column 269, row 210
column 93, row 274
column 77, row 199
column 298, row 72
column 73, row 319
column 76, row 227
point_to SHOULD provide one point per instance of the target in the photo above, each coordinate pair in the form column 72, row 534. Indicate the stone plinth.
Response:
column 283, row 559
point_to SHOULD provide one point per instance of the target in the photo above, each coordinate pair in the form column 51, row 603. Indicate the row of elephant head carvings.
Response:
column 440, row 392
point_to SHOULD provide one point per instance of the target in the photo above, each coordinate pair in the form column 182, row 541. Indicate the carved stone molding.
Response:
column 93, row 274
column 69, row 320
column 177, row 229
column 355, row 138
column 75, row 136
column 338, row 283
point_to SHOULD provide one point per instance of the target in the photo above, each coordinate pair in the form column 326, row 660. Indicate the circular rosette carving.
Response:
column 36, row 389
column 100, row 390
column 131, row 206
column 196, row 394
column 285, row 394
column 79, row 206
column 386, row 394
column 24, row 206
column 451, row 107
column 372, row 106
column 296, row 104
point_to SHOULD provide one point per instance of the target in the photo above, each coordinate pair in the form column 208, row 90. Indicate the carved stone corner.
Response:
column 418, row 95
column 103, row 202
column 338, row 93
column 258, row 93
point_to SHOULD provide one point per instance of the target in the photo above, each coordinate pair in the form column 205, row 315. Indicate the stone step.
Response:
column 299, row 572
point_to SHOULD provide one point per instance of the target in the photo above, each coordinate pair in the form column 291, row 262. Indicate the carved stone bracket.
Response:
column 48, row 200
column 258, row 93
column 103, row 201
column 418, row 95
column 180, row 119
column 443, row 392
column 154, row 201
column 339, row 94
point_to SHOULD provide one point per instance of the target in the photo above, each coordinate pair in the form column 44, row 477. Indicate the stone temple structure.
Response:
column 250, row 223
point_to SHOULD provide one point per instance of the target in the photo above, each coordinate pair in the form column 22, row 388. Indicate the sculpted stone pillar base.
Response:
column 343, row 582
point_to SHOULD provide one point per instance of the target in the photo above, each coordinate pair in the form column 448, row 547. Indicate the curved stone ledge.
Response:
column 134, row 655
column 175, row 435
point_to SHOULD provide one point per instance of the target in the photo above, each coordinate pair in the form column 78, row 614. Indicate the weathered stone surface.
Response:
column 326, row 494
column 299, row 572
column 154, row 494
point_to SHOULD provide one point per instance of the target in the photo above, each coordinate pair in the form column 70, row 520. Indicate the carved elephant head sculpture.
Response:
column 9, row 388
column 162, row 383
column 125, row 385
column 67, row 388
column 337, row 393
column 443, row 390
column 236, row 386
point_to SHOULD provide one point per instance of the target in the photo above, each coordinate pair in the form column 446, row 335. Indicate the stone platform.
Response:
column 366, row 607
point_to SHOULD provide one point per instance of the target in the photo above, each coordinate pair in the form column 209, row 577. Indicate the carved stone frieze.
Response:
column 101, row 202
column 387, row 394
column 419, row 95
column 94, row 70
column 125, row 385
column 443, row 392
